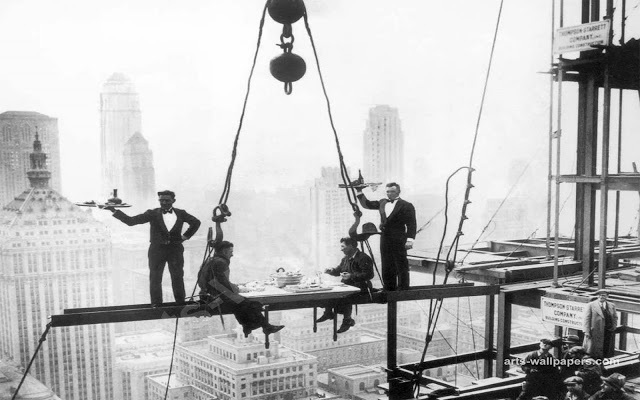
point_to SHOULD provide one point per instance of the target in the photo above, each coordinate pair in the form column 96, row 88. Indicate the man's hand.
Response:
column 587, row 335
column 408, row 245
column 243, row 289
column 109, row 208
column 345, row 276
column 327, row 270
column 184, row 238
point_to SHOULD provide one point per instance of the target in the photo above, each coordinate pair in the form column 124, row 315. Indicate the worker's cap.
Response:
column 540, row 398
column 603, row 291
column 571, row 339
column 577, row 350
column 573, row 380
column 615, row 380
column 546, row 341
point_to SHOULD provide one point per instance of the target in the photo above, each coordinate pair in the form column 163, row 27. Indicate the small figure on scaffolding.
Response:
column 214, row 282
column 355, row 269
column 166, row 237
column 398, row 227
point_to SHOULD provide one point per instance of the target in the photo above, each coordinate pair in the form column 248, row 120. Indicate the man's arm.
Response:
column 366, row 203
column 194, row 224
column 134, row 220
column 586, row 321
column 411, row 225
column 220, row 276
column 363, row 270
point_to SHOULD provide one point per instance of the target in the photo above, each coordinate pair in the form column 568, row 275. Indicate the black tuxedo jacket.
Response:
column 402, row 221
column 158, row 232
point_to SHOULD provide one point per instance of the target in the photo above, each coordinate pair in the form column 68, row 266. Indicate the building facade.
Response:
column 139, row 177
column 383, row 146
column 55, row 256
column 17, row 129
column 120, row 119
column 331, row 217
column 233, row 367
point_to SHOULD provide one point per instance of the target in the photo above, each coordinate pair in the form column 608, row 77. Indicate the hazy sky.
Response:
column 190, row 61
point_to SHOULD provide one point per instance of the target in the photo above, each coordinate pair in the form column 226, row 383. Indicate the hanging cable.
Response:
column 351, row 193
column 450, row 263
column 33, row 358
column 227, row 184
column 173, row 350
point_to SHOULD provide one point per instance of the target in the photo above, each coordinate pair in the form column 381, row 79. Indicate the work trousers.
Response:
column 159, row 255
column 395, row 266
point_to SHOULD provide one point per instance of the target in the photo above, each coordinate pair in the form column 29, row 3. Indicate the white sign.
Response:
column 581, row 37
column 563, row 312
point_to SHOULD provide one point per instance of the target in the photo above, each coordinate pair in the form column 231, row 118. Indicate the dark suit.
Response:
column 395, row 228
column 543, row 378
column 165, row 248
column 213, row 280
column 360, row 266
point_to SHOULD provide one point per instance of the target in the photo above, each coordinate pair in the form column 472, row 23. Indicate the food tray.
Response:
column 298, row 289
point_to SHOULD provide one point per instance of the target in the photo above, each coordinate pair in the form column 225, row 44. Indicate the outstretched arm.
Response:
column 134, row 220
column 366, row 203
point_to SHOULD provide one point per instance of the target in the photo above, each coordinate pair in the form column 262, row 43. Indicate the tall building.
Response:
column 10, row 377
column 119, row 120
column 139, row 175
column 331, row 217
column 232, row 367
column 16, row 139
column 383, row 146
column 54, row 256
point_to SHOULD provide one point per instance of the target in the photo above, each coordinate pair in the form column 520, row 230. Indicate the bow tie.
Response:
column 391, row 201
column 167, row 211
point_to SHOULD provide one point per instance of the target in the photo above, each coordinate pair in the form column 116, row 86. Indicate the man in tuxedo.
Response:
column 166, row 237
column 398, row 227
column 599, row 323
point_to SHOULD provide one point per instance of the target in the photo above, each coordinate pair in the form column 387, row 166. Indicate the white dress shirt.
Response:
column 169, row 219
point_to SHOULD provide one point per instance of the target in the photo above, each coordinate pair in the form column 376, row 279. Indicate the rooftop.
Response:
column 23, row 115
column 10, row 376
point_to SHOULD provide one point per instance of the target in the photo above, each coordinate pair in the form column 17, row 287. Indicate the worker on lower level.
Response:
column 355, row 269
column 213, row 280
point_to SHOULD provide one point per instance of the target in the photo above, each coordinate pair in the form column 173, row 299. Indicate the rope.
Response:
column 351, row 194
column 374, row 261
column 175, row 336
column 227, row 184
column 33, row 358
column 434, row 309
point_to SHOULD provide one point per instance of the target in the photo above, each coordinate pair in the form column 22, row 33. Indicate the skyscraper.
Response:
column 331, row 217
column 16, row 139
column 54, row 256
column 119, row 121
column 139, row 175
column 383, row 146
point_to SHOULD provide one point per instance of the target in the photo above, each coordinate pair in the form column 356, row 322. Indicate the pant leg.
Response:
column 157, row 260
column 389, row 275
column 176, row 269
column 402, row 265
column 346, row 310
column 249, row 314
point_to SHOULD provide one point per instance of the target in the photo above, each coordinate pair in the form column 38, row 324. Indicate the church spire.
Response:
column 38, row 174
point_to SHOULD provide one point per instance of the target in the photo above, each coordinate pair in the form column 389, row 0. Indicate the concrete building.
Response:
column 354, row 380
column 17, row 129
column 331, row 217
column 137, row 356
column 232, row 367
column 55, row 256
column 383, row 146
column 120, row 119
column 10, row 377
column 139, row 174
column 178, row 390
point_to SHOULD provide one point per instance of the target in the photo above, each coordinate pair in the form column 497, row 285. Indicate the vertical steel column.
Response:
column 550, row 160
column 392, row 338
column 489, row 312
column 619, row 154
column 604, row 174
column 504, row 333
column 624, row 321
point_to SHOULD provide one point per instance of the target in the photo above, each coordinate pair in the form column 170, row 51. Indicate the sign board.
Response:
column 581, row 37
column 563, row 312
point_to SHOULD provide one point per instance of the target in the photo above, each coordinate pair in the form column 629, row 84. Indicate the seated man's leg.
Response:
column 327, row 315
column 347, row 321
column 249, row 315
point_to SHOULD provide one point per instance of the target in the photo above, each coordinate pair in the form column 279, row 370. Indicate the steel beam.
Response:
column 489, row 312
column 504, row 333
